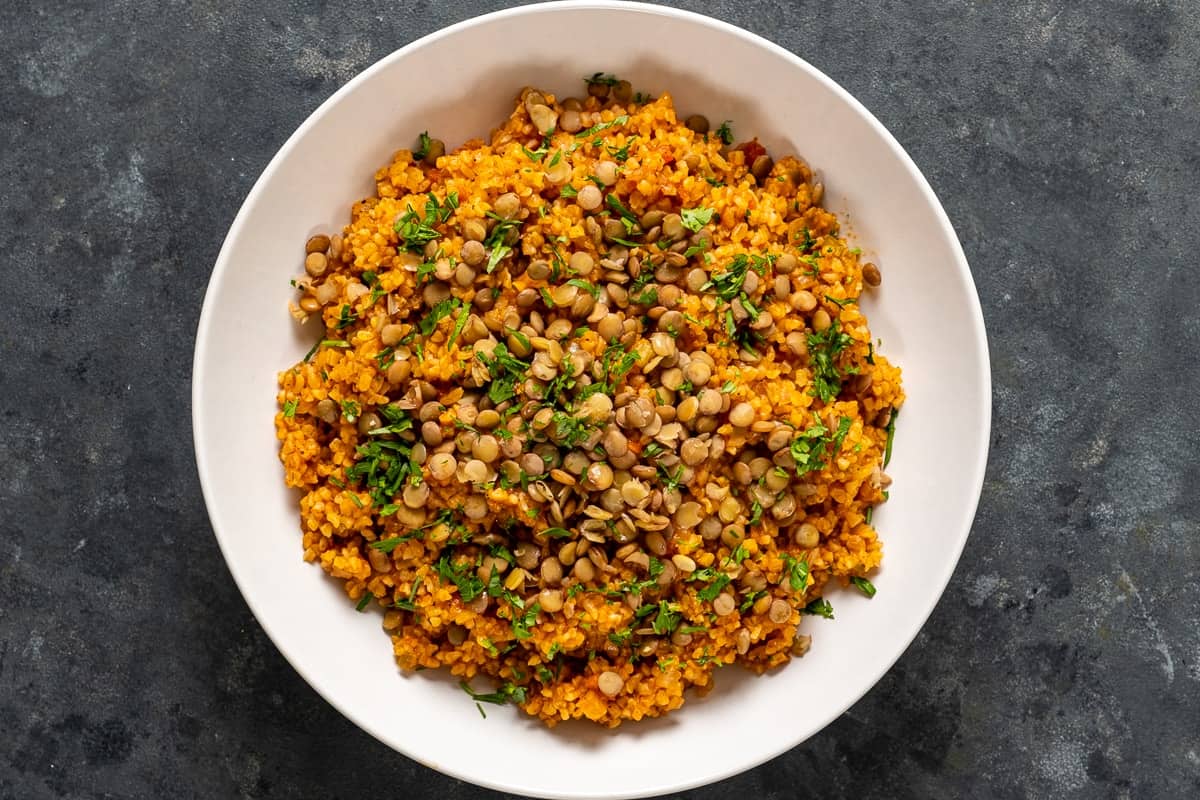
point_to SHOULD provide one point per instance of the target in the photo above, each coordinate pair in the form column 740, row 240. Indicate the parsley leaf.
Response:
column 522, row 622
column 728, row 284
column 891, row 434
column 719, row 581
column 507, row 693
column 819, row 608
column 824, row 347
column 795, row 570
column 621, row 120
column 415, row 231
column 725, row 133
column 696, row 218
column 864, row 586
column 461, row 575
column 411, row 603
column 667, row 619
column 423, row 147
column 496, row 240
column 603, row 79
column 809, row 446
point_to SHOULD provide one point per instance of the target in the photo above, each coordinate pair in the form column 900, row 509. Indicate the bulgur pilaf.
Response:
column 596, row 411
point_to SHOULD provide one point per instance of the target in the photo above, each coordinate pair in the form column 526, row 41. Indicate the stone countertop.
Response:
column 1064, row 141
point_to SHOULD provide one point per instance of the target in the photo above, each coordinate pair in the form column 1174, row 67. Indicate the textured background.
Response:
column 1064, row 140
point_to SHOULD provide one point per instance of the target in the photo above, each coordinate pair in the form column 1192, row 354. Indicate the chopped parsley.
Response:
column 728, row 284
column 819, row 608
column 795, row 570
column 667, row 619
column 507, row 693
column 621, row 120
column 670, row 481
column 346, row 318
column 422, row 147
column 364, row 602
column 696, row 218
column 627, row 217
column 621, row 154
column 719, row 581
column 460, row 323
column 461, row 575
column 392, row 542
column 864, row 586
column 810, row 445
column 495, row 240
column 411, row 603
column 384, row 466
column 891, row 434
column 725, row 133
column 289, row 408
column 750, row 600
column 602, row 78
column 506, row 371
column 416, row 231
column 440, row 311
column 526, row 619
column 824, row 347
column 615, row 364
column 580, row 283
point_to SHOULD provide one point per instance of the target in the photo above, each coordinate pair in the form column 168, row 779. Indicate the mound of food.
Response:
column 595, row 411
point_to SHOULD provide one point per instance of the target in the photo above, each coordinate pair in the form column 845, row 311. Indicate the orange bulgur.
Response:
column 418, row 554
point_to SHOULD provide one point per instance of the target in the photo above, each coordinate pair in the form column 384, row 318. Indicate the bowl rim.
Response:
column 221, row 269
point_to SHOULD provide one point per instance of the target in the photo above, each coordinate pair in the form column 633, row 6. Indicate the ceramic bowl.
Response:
column 926, row 314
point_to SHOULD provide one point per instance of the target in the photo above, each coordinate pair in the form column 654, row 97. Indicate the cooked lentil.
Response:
column 592, row 415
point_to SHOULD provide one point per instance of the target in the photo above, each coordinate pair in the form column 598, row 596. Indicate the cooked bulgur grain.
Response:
column 595, row 411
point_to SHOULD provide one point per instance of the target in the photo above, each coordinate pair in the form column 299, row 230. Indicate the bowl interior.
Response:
column 926, row 314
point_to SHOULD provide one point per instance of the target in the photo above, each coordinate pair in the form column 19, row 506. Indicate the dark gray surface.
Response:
column 1063, row 661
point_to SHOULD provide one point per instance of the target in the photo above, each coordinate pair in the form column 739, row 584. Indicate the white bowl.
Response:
column 459, row 83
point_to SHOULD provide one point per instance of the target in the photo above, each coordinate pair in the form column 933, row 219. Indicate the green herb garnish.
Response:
column 819, row 608
column 719, row 581
column 728, row 284
column 811, row 445
column 823, row 350
column 507, row 693
column 864, row 586
column 602, row 78
column 891, row 434
column 621, row 120
column 667, row 619
column 725, row 133
column 423, row 147
column 411, row 603
column 795, row 570
column 415, row 232
column 696, row 218
column 461, row 575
